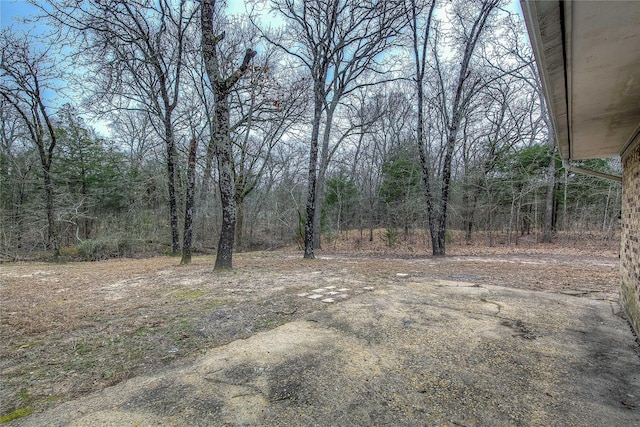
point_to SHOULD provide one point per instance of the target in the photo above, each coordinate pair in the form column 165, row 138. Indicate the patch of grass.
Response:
column 23, row 343
column 143, row 331
column 118, row 372
column 187, row 294
column 54, row 398
column 267, row 323
column 215, row 303
column 112, row 342
column 14, row 415
column 48, row 305
column 83, row 348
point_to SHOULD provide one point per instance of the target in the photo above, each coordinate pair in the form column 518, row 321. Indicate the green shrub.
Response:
column 390, row 237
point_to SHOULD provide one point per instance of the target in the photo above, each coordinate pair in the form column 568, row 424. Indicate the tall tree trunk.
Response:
column 208, row 167
column 46, row 159
column 547, row 233
column 317, row 217
column 606, row 210
column 171, row 176
column 222, row 87
column 226, row 185
column 440, row 241
column 189, row 204
column 17, row 216
column 420, row 52
column 52, row 235
column 426, row 183
column 240, row 243
column 470, row 201
column 458, row 108
column 312, row 177
column 437, row 210
column 325, row 157
column 26, row 72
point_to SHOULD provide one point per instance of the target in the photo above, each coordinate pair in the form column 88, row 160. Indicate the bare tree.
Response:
column 268, row 110
column 420, row 27
column 493, row 125
column 338, row 42
column 136, row 50
column 222, row 86
column 453, row 100
column 189, row 202
column 17, row 169
column 26, row 74
column 518, row 50
column 262, row 108
column 388, row 119
column 132, row 130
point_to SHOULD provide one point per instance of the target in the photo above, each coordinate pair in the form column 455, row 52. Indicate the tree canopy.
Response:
column 292, row 121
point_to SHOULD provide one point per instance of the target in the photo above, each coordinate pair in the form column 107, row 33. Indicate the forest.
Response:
column 136, row 127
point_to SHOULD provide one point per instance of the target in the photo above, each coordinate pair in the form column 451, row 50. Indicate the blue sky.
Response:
column 10, row 9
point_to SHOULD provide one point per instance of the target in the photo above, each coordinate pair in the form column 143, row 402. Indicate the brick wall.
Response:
column 630, row 245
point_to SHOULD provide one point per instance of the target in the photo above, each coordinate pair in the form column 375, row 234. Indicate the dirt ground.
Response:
column 71, row 329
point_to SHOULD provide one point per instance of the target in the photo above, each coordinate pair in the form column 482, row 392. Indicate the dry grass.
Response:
column 418, row 243
column 70, row 329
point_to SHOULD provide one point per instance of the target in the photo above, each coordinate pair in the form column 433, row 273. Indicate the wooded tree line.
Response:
column 288, row 123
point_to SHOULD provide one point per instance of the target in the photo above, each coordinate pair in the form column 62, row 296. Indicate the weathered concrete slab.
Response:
column 414, row 354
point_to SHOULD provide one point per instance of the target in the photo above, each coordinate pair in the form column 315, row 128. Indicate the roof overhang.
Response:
column 588, row 55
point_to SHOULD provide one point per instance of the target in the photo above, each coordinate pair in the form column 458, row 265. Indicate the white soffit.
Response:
column 588, row 55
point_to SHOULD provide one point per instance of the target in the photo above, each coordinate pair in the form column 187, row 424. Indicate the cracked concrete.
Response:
column 416, row 352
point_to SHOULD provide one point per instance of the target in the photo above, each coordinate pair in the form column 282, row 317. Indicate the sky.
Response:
column 11, row 9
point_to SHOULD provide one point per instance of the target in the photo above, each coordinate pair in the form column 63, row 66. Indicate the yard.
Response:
column 71, row 329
